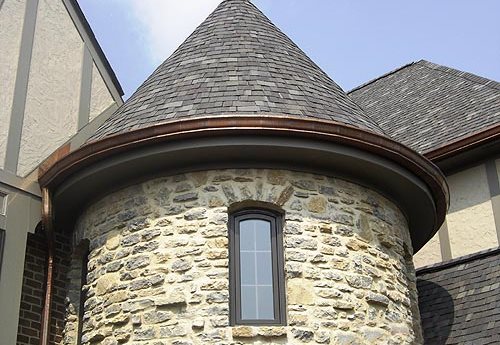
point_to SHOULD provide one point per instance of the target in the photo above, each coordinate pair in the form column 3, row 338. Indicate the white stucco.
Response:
column 11, row 25
column 429, row 254
column 471, row 224
column 51, row 113
column 101, row 98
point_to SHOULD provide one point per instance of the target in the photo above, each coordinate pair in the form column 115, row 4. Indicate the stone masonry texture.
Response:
column 158, row 262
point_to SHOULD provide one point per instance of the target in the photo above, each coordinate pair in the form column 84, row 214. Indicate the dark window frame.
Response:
column 278, row 263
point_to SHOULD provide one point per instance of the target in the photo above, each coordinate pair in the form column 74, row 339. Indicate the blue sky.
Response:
column 352, row 40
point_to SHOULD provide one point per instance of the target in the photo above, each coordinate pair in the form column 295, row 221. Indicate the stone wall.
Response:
column 158, row 262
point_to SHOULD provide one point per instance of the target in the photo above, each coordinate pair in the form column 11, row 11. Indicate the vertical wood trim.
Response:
column 85, row 88
column 495, row 204
column 444, row 242
column 21, row 87
column 2, row 241
column 492, row 176
column 494, row 187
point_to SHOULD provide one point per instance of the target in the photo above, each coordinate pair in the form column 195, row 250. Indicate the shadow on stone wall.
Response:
column 437, row 311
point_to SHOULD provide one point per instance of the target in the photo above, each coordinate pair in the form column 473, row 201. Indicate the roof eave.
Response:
column 393, row 158
column 466, row 151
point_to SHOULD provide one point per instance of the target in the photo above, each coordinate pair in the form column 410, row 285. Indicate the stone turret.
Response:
column 240, row 196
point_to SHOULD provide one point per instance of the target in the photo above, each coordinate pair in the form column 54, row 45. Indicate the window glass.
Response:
column 257, row 274
column 256, row 269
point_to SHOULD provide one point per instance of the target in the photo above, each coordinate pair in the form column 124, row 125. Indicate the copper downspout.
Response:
column 49, row 230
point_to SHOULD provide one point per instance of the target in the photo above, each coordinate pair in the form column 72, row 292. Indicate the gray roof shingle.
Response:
column 236, row 62
column 424, row 105
column 459, row 301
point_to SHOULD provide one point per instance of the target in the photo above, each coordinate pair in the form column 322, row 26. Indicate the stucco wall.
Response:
column 11, row 25
column 429, row 254
column 471, row 218
column 54, row 85
column 471, row 224
column 158, row 263
column 101, row 98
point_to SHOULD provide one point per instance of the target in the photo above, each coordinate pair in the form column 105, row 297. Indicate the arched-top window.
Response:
column 257, row 280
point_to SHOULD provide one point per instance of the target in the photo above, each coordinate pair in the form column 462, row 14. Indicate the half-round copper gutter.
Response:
column 179, row 129
column 52, row 174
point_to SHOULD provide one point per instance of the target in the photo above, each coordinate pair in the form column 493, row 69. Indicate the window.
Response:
column 256, row 268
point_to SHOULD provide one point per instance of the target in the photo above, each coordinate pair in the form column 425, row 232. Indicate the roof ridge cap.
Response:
column 462, row 74
column 371, row 81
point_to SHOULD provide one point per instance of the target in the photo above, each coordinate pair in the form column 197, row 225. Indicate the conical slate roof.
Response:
column 236, row 63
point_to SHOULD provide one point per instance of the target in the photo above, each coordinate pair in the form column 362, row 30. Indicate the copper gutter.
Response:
column 58, row 167
column 47, row 223
column 467, row 143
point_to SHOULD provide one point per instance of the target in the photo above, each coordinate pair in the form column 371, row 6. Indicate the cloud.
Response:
column 167, row 23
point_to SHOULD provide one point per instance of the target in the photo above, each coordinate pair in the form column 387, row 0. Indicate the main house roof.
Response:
column 236, row 62
column 426, row 106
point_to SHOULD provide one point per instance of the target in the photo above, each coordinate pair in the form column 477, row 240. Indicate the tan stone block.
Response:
column 113, row 240
column 215, row 285
column 215, row 202
column 276, row 177
column 326, row 228
column 199, row 178
column 220, row 242
column 300, row 291
column 317, row 204
column 329, row 250
column 173, row 298
column 298, row 320
column 346, row 338
column 340, row 264
column 365, row 232
column 105, row 282
column 116, row 297
column 272, row 332
column 216, row 254
column 356, row 245
column 244, row 332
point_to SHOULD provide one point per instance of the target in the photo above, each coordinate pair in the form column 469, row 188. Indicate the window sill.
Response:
column 259, row 331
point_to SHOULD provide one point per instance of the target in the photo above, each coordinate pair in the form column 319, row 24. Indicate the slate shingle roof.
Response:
column 459, row 301
column 424, row 105
column 236, row 62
